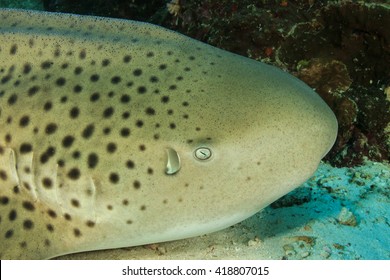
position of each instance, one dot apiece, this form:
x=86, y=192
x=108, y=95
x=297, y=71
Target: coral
x=355, y=35
x=136, y=9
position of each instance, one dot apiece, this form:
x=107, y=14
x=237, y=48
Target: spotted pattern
x=81, y=122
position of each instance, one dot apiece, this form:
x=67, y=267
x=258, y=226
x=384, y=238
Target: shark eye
x=202, y=153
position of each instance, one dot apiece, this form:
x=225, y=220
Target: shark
x=117, y=133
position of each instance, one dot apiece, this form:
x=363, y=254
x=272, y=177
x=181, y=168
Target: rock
x=346, y=217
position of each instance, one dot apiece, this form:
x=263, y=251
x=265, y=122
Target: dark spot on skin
x=92, y=160
x=142, y=148
x=12, y=215
x=143, y=208
x=125, y=115
x=47, y=243
x=75, y=203
x=94, y=78
x=28, y=224
x=16, y=190
x=172, y=87
x=23, y=244
x=61, y=163
x=76, y=232
x=47, y=106
x=44, y=158
x=78, y=70
x=33, y=90
x=52, y=213
x=108, y=112
x=125, y=202
x=141, y=90
x=13, y=49
x=60, y=81
x=129, y=222
x=25, y=148
x=82, y=54
x=74, y=112
x=150, y=111
x=170, y=112
x=28, y=206
x=74, y=174
x=67, y=141
x=125, y=98
x=162, y=67
x=126, y=58
x=50, y=227
x=8, y=138
x=64, y=99
x=94, y=97
x=90, y=224
x=172, y=126
x=130, y=164
x=150, y=171
x=125, y=132
x=139, y=123
x=105, y=62
x=137, y=184
x=9, y=233
x=137, y=72
x=88, y=131
x=114, y=178
x=165, y=99
x=150, y=54
x=187, y=69
x=106, y=130
x=115, y=80
x=4, y=200
x=12, y=99
x=111, y=147
x=46, y=64
x=153, y=79
x=3, y=175
x=111, y=94
x=51, y=128
x=67, y=217
x=77, y=89
x=6, y=79
x=26, y=186
x=185, y=104
x=26, y=68
x=47, y=183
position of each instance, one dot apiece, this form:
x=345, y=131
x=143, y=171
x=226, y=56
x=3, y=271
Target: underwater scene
x=123, y=140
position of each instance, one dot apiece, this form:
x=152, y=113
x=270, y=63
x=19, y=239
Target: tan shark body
x=117, y=133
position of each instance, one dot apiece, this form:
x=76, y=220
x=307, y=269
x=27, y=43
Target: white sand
x=340, y=213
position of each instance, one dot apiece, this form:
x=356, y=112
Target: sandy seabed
x=340, y=213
